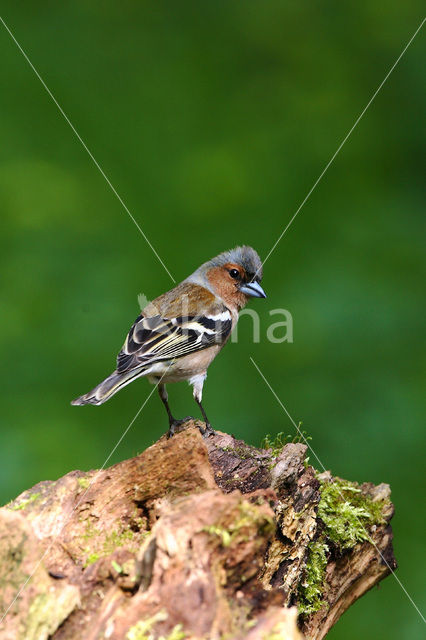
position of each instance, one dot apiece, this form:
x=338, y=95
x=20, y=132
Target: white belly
x=182, y=368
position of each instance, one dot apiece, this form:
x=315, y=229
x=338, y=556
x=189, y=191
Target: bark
x=194, y=538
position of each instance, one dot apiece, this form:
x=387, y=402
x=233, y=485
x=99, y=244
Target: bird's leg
x=208, y=431
x=198, y=382
x=165, y=399
x=173, y=423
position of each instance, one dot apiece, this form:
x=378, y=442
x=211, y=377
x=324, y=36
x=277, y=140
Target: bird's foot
x=207, y=431
x=175, y=424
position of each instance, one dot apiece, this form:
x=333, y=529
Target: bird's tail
x=108, y=387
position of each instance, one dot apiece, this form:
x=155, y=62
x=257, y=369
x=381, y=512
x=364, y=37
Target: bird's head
x=234, y=276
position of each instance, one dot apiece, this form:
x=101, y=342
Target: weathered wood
x=193, y=538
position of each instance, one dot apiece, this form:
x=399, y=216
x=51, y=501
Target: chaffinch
x=178, y=334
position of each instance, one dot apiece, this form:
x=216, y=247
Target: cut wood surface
x=192, y=539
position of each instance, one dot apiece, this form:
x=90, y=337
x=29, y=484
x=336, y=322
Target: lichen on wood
x=192, y=539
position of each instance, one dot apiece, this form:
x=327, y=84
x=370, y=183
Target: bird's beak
x=253, y=289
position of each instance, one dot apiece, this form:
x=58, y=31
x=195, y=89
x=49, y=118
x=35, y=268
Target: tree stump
x=192, y=539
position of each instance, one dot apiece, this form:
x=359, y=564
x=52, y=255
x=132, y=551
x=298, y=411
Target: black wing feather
x=155, y=338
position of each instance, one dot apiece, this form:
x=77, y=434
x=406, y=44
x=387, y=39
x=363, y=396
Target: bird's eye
x=234, y=273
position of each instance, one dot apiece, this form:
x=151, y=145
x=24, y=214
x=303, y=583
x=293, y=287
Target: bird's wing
x=156, y=338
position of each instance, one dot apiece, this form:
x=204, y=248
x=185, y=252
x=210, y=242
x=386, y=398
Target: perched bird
x=178, y=334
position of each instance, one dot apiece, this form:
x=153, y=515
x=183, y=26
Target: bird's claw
x=177, y=423
x=207, y=431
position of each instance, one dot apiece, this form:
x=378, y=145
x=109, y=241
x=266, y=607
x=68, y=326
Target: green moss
x=102, y=545
x=25, y=503
x=47, y=612
x=177, y=633
x=90, y=531
x=110, y=541
x=347, y=513
x=117, y=567
x=12, y=573
x=223, y=534
x=248, y=516
x=91, y=559
x=278, y=443
x=310, y=589
x=240, y=451
x=117, y=539
x=84, y=482
x=244, y=453
x=142, y=630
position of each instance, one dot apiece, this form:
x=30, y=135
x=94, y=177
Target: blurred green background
x=213, y=120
